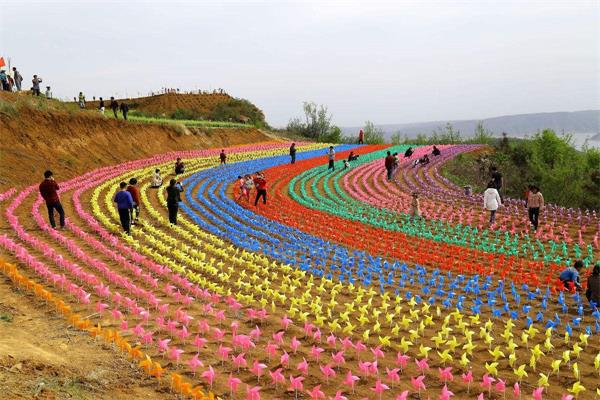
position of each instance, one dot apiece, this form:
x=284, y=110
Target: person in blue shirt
x=124, y=205
x=570, y=276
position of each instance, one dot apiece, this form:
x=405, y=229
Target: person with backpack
x=535, y=203
x=135, y=195
x=124, y=206
x=173, y=199
x=48, y=189
x=114, y=106
x=389, y=165
x=293, y=153
x=491, y=201
x=18, y=78
x=124, y=109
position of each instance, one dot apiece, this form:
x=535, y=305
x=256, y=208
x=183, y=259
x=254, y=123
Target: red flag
x=2, y=63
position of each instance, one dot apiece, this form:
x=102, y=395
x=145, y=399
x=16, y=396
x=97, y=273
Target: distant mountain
x=578, y=123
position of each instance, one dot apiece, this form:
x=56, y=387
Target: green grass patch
x=133, y=117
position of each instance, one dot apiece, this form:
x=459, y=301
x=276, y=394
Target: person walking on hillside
x=124, y=109
x=361, y=137
x=36, y=85
x=49, y=191
x=491, y=201
x=223, y=157
x=156, y=179
x=389, y=165
x=124, y=206
x=18, y=78
x=179, y=166
x=415, y=206
x=261, y=188
x=135, y=195
x=293, y=153
x=81, y=100
x=114, y=106
x=535, y=203
x=331, y=158
x=101, y=106
x=570, y=276
x=593, y=286
x=173, y=199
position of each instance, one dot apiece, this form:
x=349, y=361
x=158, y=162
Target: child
x=415, y=206
x=248, y=186
x=346, y=164
x=156, y=179
x=242, y=187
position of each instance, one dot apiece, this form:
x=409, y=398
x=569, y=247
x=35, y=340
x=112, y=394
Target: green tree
x=373, y=135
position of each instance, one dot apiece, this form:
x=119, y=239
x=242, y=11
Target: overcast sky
x=388, y=62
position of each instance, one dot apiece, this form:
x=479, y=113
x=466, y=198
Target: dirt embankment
x=72, y=143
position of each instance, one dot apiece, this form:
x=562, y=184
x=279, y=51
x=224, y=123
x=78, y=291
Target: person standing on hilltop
x=48, y=190
x=36, y=85
x=331, y=158
x=101, y=106
x=114, y=106
x=124, y=110
x=361, y=137
x=4, y=81
x=81, y=100
x=223, y=157
x=124, y=206
x=18, y=78
x=293, y=153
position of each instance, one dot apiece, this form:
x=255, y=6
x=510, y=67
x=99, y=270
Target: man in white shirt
x=331, y=156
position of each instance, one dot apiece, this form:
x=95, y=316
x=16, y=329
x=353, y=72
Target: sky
x=383, y=61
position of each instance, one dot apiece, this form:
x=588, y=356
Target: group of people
x=14, y=82
x=114, y=105
x=248, y=182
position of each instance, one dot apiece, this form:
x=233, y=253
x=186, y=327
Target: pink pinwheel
x=148, y=338
x=124, y=325
x=327, y=371
x=138, y=330
x=253, y=393
x=403, y=395
x=338, y=396
x=175, y=354
x=417, y=383
x=350, y=380
x=392, y=375
x=257, y=369
x=567, y=397
x=422, y=365
x=218, y=334
x=223, y=353
x=194, y=363
x=278, y=337
x=116, y=314
x=163, y=345
x=239, y=361
x=294, y=344
x=486, y=382
x=316, y=393
x=481, y=396
x=377, y=352
x=317, y=335
x=203, y=326
x=446, y=374
x=308, y=329
x=271, y=350
x=303, y=367
x=285, y=322
x=373, y=368
x=468, y=379
x=209, y=376
x=233, y=384
x=332, y=340
x=199, y=342
x=255, y=333
x=379, y=388
x=359, y=347
x=284, y=360
x=220, y=316
x=296, y=384
x=234, y=327
x=277, y=377
x=347, y=344
x=315, y=352
x=100, y=307
x=338, y=358
x=537, y=393
x=183, y=334
x=517, y=390
x=402, y=360
x=446, y=394
x=364, y=367
x=171, y=327
x=501, y=386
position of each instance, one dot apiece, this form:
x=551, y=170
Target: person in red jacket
x=49, y=191
x=361, y=137
x=261, y=188
x=135, y=195
x=389, y=165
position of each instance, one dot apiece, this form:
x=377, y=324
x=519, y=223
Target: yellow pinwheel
x=577, y=388
x=496, y=353
x=543, y=381
x=445, y=356
x=492, y=368
x=424, y=351
x=556, y=366
x=464, y=361
x=521, y=372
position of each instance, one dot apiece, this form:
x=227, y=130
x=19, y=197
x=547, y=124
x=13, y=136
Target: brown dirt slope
x=72, y=142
